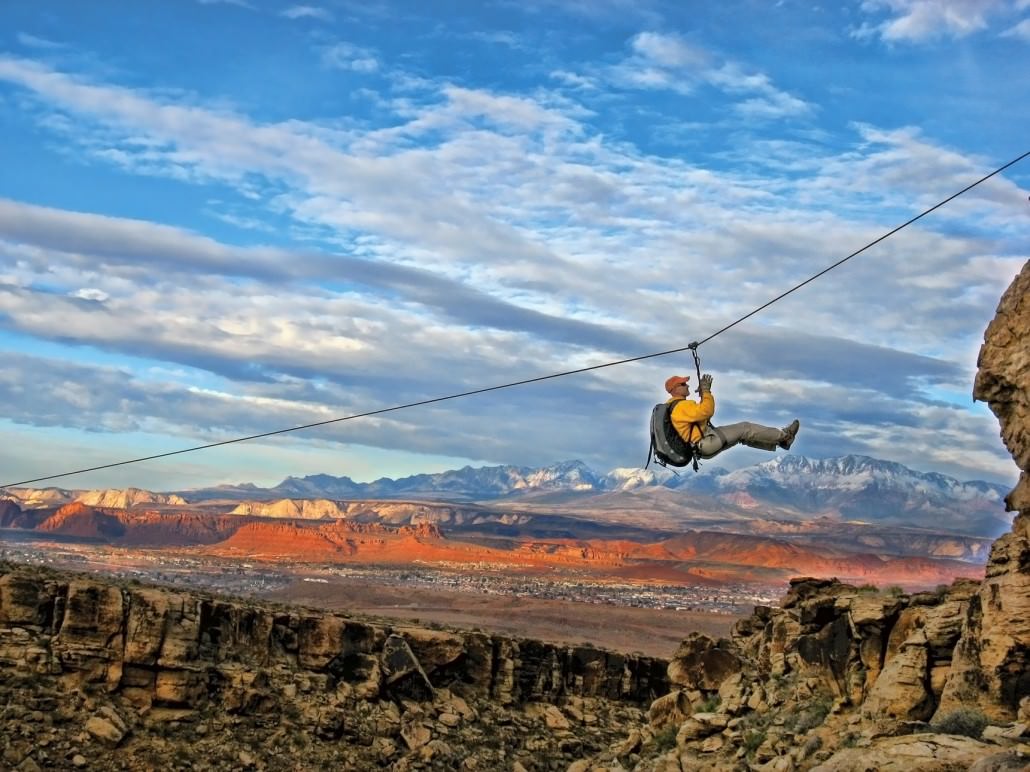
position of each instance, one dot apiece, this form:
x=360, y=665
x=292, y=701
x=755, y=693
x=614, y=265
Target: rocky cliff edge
x=101, y=675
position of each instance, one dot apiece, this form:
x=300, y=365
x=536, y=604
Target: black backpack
x=668, y=448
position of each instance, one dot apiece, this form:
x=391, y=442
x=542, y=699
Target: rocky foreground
x=101, y=675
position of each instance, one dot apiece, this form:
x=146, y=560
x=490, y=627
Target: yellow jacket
x=688, y=412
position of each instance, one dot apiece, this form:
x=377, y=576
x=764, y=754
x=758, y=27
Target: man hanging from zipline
x=692, y=422
x=682, y=431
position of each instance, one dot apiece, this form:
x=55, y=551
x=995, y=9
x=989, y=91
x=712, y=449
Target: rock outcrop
x=834, y=678
x=1003, y=379
x=128, y=498
x=992, y=660
x=305, y=509
x=125, y=662
x=839, y=678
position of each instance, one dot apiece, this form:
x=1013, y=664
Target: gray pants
x=718, y=439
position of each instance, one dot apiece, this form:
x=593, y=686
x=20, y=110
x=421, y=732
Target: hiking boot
x=788, y=434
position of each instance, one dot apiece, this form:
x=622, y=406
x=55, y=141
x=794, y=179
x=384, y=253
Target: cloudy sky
x=226, y=217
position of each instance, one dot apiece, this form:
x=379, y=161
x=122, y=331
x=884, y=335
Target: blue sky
x=225, y=217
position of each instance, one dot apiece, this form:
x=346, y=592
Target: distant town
x=257, y=579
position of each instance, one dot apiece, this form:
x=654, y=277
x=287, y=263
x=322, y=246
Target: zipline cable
x=887, y=235
x=691, y=347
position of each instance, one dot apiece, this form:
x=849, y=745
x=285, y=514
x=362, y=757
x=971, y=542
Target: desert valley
x=632, y=559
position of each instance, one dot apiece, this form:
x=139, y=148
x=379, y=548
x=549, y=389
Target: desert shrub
x=868, y=588
x=895, y=591
x=812, y=744
x=666, y=739
x=182, y=756
x=710, y=705
x=292, y=711
x=849, y=740
x=969, y=722
x=813, y=714
x=753, y=739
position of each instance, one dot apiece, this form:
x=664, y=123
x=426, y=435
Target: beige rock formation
x=127, y=498
x=1003, y=379
x=307, y=509
x=703, y=663
x=992, y=660
x=914, y=753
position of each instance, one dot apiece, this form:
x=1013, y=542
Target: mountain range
x=788, y=488
x=853, y=516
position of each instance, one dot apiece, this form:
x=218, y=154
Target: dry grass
x=655, y=633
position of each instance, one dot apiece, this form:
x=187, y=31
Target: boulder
x=670, y=709
x=1003, y=379
x=319, y=640
x=25, y=601
x=404, y=676
x=105, y=730
x=901, y=692
x=555, y=719
x=699, y=726
x=703, y=663
x=909, y=753
x=180, y=688
x=90, y=636
x=434, y=649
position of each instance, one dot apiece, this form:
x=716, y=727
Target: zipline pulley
x=697, y=363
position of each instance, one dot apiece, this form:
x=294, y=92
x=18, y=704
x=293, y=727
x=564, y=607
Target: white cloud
x=669, y=51
x=238, y=3
x=573, y=79
x=775, y=105
x=499, y=37
x=91, y=293
x=307, y=12
x=922, y=20
x=345, y=56
x=662, y=61
x=33, y=41
x=1020, y=30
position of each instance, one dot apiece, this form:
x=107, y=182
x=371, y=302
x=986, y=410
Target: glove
x=705, y=385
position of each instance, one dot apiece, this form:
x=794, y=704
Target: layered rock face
x=992, y=660
x=147, y=656
x=1003, y=379
x=835, y=679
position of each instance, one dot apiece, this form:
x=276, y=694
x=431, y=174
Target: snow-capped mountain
x=853, y=474
x=633, y=478
x=862, y=488
x=847, y=487
x=467, y=483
